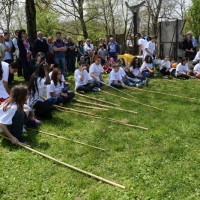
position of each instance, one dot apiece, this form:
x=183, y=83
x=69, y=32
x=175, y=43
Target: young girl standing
x=56, y=87
x=12, y=116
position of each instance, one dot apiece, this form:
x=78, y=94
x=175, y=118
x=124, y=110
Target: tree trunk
x=31, y=20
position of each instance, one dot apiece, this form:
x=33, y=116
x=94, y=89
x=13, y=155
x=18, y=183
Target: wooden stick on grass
x=151, y=91
x=133, y=101
x=99, y=117
x=69, y=166
x=104, y=106
x=89, y=107
x=64, y=138
x=113, y=104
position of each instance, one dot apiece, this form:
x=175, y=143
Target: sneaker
x=165, y=76
x=24, y=130
x=81, y=92
x=139, y=85
x=96, y=89
x=145, y=82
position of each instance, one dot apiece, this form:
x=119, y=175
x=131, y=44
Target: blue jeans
x=113, y=55
x=51, y=101
x=132, y=82
x=16, y=128
x=25, y=67
x=65, y=100
x=143, y=77
x=99, y=84
x=62, y=63
x=71, y=63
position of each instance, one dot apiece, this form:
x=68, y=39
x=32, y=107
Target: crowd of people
x=46, y=65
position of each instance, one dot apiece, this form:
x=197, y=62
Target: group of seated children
x=42, y=93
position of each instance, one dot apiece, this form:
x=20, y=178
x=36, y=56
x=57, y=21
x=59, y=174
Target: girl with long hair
x=14, y=114
x=55, y=89
x=38, y=89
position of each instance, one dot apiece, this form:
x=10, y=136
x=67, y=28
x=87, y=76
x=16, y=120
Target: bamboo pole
x=64, y=138
x=134, y=101
x=174, y=95
x=70, y=166
x=113, y=104
x=89, y=107
x=99, y=117
x=104, y=106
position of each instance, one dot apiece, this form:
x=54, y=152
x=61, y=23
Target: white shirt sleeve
x=7, y=116
x=92, y=69
x=51, y=87
x=5, y=67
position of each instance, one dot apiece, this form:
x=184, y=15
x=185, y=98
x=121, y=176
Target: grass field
x=158, y=164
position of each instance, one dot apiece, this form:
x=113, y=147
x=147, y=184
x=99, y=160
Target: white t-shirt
x=144, y=65
x=6, y=116
x=57, y=89
x=7, y=53
x=114, y=76
x=77, y=76
x=40, y=95
x=88, y=48
x=3, y=93
x=197, y=67
x=181, y=68
x=123, y=73
x=197, y=57
x=151, y=46
x=167, y=64
x=50, y=75
x=142, y=42
x=135, y=71
x=96, y=70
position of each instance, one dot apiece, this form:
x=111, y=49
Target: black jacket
x=22, y=50
x=40, y=46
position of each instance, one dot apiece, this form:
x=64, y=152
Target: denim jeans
x=62, y=63
x=71, y=63
x=16, y=128
x=51, y=101
x=132, y=82
x=99, y=84
x=143, y=77
x=25, y=67
x=65, y=100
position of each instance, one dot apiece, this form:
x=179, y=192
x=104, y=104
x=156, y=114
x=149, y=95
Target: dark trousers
x=87, y=87
x=63, y=100
x=113, y=55
x=16, y=128
x=164, y=72
x=25, y=67
x=43, y=110
x=71, y=63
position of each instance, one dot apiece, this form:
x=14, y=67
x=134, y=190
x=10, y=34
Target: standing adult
x=142, y=44
x=188, y=47
x=25, y=53
x=2, y=47
x=113, y=49
x=88, y=57
x=41, y=45
x=70, y=54
x=17, y=53
x=88, y=46
x=143, y=35
x=59, y=48
x=150, y=48
x=80, y=50
x=50, y=50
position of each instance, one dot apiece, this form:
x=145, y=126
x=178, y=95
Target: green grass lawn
x=161, y=163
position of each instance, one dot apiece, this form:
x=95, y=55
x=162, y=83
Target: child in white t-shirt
x=165, y=67
x=13, y=114
x=147, y=67
x=82, y=79
x=197, y=70
x=55, y=89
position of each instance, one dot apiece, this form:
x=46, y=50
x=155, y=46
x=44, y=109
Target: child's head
x=13, y=67
x=111, y=60
x=122, y=61
x=56, y=75
x=39, y=56
x=116, y=67
x=81, y=65
x=18, y=95
x=97, y=60
x=184, y=60
x=82, y=58
x=166, y=58
x=148, y=59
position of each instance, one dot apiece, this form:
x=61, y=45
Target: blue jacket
x=117, y=47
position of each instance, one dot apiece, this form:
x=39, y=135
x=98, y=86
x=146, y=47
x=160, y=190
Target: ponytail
x=1, y=71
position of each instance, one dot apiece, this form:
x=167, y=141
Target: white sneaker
x=96, y=89
x=165, y=76
x=24, y=130
x=139, y=85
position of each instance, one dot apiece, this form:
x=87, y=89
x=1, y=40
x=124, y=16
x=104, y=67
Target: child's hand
x=46, y=67
x=123, y=85
x=14, y=140
x=65, y=95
